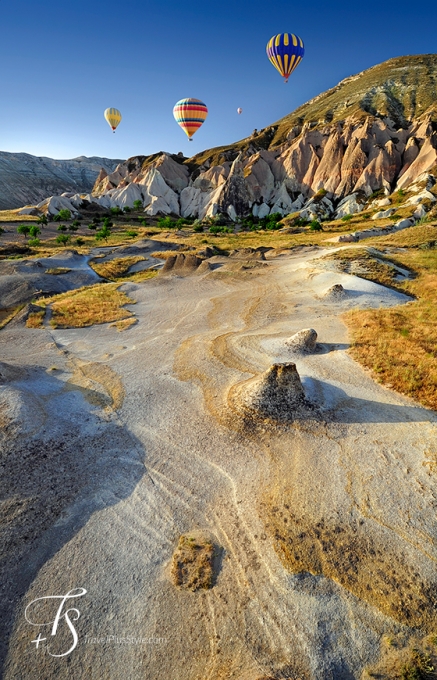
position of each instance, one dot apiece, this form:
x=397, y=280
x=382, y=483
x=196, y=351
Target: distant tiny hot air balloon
x=285, y=51
x=113, y=118
x=239, y=111
x=190, y=114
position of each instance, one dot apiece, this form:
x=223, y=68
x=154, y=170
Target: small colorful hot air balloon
x=113, y=118
x=285, y=51
x=190, y=114
x=239, y=111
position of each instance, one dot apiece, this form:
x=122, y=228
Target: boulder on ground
x=348, y=206
x=277, y=393
x=336, y=292
x=403, y=224
x=195, y=562
x=303, y=341
x=383, y=213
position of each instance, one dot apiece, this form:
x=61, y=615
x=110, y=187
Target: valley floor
x=116, y=444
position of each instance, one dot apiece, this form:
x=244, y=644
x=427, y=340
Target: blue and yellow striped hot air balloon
x=285, y=51
x=113, y=118
x=190, y=114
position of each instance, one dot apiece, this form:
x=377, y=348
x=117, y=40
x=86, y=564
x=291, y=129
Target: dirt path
x=328, y=526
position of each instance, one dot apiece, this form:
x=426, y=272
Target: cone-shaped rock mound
x=304, y=341
x=277, y=393
x=336, y=292
x=181, y=264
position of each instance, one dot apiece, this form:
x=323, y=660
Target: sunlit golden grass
x=35, y=319
x=7, y=315
x=124, y=324
x=13, y=216
x=57, y=271
x=407, y=238
x=400, y=344
x=116, y=268
x=102, y=303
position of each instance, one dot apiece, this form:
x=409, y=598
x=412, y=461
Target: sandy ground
x=115, y=444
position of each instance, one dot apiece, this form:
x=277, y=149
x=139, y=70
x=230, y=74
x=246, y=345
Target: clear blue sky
x=62, y=63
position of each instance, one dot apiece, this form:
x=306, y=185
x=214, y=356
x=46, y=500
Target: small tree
x=126, y=209
x=64, y=214
x=138, y=204
x=316, y=226
x=92, y=226
x=23, y=229
x=33, y=242
x=104, y=233
x=63, y=239
x=116, y=210
x=34, y=231
x=62, y=227
x=42, y=219
x=73, y=227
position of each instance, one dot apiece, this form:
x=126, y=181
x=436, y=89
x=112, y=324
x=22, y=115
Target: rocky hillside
x=375, y=130
x=29, y=179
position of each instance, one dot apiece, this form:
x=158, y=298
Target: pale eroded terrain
x=117, y=443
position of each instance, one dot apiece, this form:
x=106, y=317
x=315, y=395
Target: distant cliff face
x=374, y=130
x=26, y=179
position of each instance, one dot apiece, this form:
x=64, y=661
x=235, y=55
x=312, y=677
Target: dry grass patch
x=8, y=314
x=413, y=237
x=36, y=319
x=102, y=303
x=193, y=563
x=124, y=324
x=57, y=271
x=13, y=216
x=362, y=262
x=416, y=660
x=116, y=268
x=400, y=344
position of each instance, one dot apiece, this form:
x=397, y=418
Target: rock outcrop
x=304, y=341
x=275, y=394
x=374, y=131
x=26, y=179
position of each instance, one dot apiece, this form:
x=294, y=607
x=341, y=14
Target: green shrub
x=104, y=233
x=198, y=227
x=63, y=214
x=73, y=227
x=34, y=231
x=42, y=219
x=138, y=204
x=316, y=226
x=126, y=209
x=116, y=210
x=131, y=233
x=33, y=242
x=80, y=241
x=346, y=218
x=166, y=223
x=321, y=192
x=62, y=227
x=107, y=224
x=92, y=226
x=63, y=239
